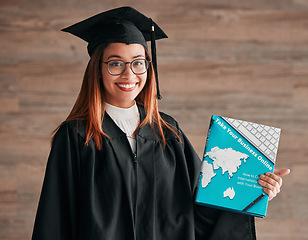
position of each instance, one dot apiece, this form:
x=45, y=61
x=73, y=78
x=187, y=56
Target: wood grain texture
x=242, y=59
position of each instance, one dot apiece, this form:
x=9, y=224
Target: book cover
x=236, y=154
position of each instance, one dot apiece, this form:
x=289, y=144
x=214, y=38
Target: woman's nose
x=128, y=71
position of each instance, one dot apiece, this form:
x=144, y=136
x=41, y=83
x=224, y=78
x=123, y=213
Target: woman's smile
x=127, y=86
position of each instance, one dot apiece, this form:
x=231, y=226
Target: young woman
x=119, y=169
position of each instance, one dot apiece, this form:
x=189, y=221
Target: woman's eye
x=138, y=63
x=115, y=64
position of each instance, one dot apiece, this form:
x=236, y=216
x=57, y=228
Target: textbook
x=236, y=154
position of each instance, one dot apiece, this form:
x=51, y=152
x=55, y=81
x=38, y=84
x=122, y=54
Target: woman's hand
x=271, y=182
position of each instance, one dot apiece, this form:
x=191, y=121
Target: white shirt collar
x=118, y=113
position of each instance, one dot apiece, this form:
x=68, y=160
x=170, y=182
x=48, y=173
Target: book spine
x=208, y=135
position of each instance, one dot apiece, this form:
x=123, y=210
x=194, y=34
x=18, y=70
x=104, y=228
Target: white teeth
x=127, y=85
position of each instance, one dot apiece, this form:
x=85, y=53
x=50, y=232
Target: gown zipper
x=136, y=189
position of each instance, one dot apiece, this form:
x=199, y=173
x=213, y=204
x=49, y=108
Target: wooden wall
x=239, y=58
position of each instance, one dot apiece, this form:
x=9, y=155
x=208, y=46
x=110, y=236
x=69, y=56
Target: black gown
x=114, y=194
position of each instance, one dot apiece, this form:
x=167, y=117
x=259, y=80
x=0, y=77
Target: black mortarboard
x=120, y=25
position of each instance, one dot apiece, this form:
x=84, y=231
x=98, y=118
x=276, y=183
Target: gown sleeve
x=56, y=216
x=211, y=223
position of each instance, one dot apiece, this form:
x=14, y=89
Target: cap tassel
x=154, y=59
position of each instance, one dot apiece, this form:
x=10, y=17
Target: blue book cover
x=236, y=154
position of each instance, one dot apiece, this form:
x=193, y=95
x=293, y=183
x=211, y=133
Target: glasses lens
x=116, y=67
x=139, y=66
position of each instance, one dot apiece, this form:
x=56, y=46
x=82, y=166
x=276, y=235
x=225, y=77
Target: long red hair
x=90, y=104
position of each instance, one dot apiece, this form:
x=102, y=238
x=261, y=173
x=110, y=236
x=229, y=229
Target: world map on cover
x=228, y=160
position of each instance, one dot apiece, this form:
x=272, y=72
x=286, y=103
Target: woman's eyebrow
x=140, y=55
x=113, y=56
x=117, y=56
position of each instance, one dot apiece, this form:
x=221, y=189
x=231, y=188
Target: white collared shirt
x=127, y=119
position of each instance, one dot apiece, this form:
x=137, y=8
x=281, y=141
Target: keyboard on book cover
x=264, y=138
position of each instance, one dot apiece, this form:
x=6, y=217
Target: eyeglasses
x=117, y=67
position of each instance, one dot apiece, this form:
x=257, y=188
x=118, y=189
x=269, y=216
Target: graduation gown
x=114, y=194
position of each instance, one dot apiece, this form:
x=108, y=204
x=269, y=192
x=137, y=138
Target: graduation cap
x=119, y=25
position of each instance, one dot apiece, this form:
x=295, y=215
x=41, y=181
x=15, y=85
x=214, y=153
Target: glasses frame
x=130, y=66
